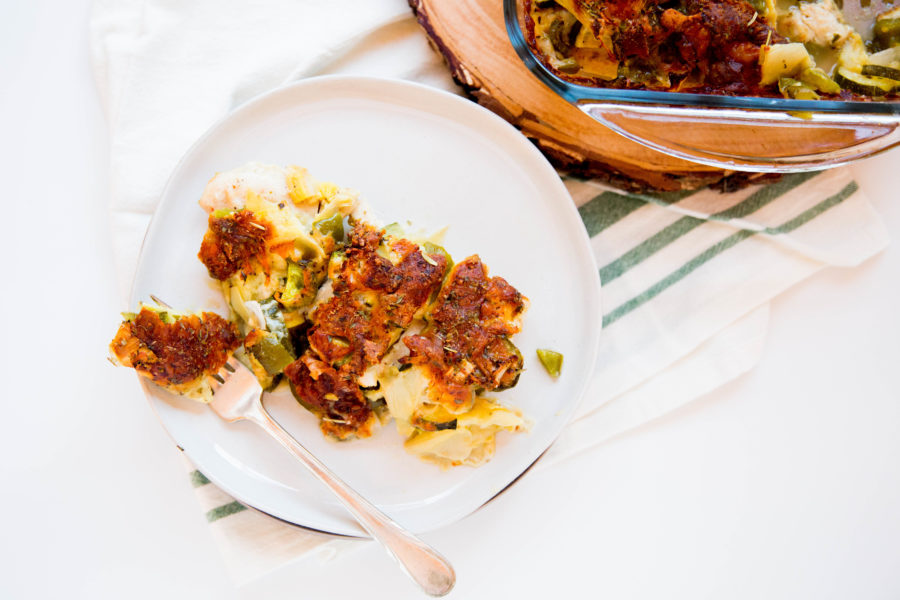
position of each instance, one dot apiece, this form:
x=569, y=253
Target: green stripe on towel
x=224, y=511
x=606, y=209
x=198, y=479
x=815, y=211
x=673, y=278
x=764, y=196
x=716, y=249
x=671, y=233
x=649, y=247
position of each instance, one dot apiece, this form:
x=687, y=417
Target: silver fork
x=238, y=395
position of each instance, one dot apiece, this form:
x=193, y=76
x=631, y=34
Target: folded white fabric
x=686, y=282
x=686, y=277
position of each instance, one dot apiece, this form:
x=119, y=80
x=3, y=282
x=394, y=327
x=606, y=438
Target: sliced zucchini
x=880, y=71
x=511, y=360
x=300, y=400
x=791, y=88
x=862, y=84
x=816, y=78
x=887, y=32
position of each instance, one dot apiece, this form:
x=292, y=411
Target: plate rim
x=594, y=286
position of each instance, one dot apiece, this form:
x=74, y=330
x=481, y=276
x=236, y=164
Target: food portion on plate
x=436, y=393
x=173, y=350
x=270, y=235
x=364, y=323
x=379, y=284
x=803, y=50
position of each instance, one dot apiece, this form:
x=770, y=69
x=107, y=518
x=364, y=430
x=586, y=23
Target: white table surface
x=783, y=484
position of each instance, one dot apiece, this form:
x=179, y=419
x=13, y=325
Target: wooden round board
x=471, y=36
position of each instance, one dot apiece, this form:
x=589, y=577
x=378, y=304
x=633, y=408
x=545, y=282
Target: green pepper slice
x=791, y=88
x=272, y=354
x=221, y=213
x=302, y=284
x=275, y=323
x=333, y=226
x=429, y=248
x=275, y=350
x=881, y=71
x=551, y=360
x=569, y=65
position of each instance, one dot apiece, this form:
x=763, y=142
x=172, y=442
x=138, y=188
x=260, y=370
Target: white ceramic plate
x=415, y=154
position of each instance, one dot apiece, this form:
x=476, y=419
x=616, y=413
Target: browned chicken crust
x=177, y=353
x=232, y=242
x=467, y=346
x=714, y=44
x=333, y=395
x=375, y=299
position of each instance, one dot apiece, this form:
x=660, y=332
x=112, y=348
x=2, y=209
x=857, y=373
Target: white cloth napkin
x=686, y=277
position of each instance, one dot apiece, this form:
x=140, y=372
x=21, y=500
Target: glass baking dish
x=774, y=135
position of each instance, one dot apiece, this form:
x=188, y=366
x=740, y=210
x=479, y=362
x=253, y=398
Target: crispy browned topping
x=332, y=395
x=232, y=242
x=175, y=353
x=467, y=346
x=715, y=42
x=375, y=299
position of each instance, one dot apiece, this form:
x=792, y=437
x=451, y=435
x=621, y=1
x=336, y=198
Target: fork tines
x=219, y=379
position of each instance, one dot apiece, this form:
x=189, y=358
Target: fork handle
x=420, y=561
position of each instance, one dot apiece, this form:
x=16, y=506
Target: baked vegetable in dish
x=803, y=50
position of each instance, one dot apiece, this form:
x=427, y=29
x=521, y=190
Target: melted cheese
x=472, y=440
x=291, y=201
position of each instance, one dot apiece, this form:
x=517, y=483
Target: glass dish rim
x=578, y=94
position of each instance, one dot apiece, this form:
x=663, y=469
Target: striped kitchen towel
x=252, y=543
x=687, y=277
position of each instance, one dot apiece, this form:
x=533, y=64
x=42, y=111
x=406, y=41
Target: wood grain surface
x=471, y=36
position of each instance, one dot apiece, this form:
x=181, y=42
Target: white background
x=783, y=484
